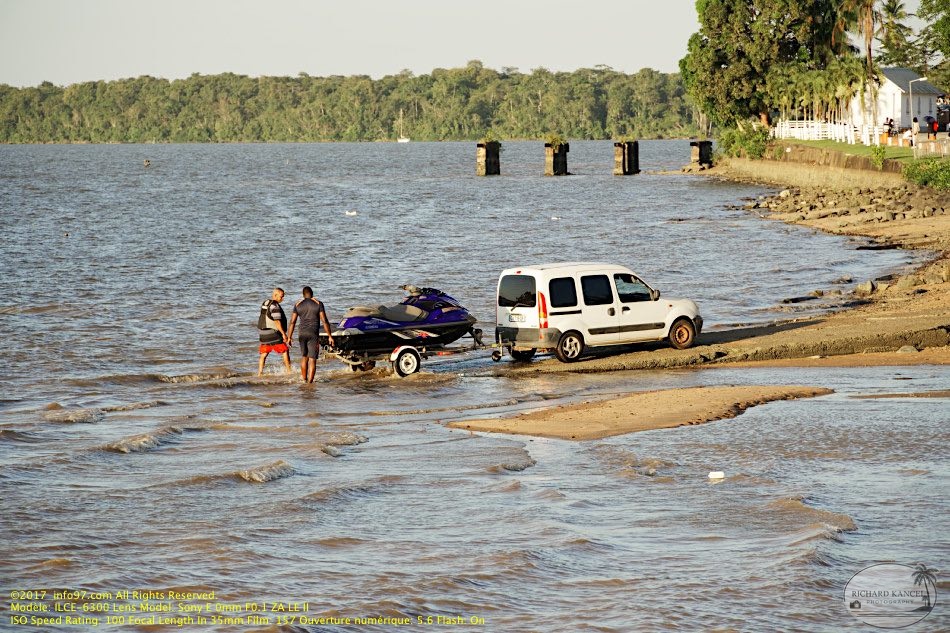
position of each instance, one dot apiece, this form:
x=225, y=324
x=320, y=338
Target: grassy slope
x=894, y=153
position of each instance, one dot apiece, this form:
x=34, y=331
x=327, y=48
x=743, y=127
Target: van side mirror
x=654, y=294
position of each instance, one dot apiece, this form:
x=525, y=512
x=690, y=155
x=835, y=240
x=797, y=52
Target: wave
x=469, y=407
x=270, y=472
x=55, y=412
x=332, y=443
x=340, y=541
x=12, y=435
x=31, y=309
x=134, y=406
x=624, y=463
x=74, y=416
x=516, y=460
x=259, y=474
x=190, y=378
x=794, y=509
x=144, y=441
x=355, y=491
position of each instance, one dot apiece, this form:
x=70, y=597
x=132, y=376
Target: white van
x=569, y=306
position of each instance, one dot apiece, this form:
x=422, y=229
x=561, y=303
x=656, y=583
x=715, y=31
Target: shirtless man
x=311, y=314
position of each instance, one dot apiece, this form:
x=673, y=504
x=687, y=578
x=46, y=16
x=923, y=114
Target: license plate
x=515, y=318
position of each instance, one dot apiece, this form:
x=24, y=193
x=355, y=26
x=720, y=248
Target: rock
x=800, y=299
x=866, y=288
x=908, y=349
x=844, y=279
x=905, y=283
x=785, y=193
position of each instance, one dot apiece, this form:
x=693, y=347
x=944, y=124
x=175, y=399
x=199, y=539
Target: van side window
x=631, y=289
x=597, y=291
x=517, y=291
x=563, y=293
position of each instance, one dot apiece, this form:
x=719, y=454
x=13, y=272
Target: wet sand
x=645, y=411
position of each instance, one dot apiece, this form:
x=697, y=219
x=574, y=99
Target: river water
x=138, y=450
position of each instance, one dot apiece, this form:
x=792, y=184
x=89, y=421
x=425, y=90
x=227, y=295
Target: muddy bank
x=645, y=411
x=884, y=315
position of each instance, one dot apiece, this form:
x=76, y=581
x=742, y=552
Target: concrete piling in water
x=555, y=159
x=701, y=153
x=487, y=159
x=626, y=158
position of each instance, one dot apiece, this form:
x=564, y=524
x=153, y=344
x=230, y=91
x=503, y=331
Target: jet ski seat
x=402, y=313
x=361, y=311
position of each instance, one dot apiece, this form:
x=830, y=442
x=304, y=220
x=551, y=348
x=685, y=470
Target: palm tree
x=892, y=33
x=860, y=16
x=926, y=577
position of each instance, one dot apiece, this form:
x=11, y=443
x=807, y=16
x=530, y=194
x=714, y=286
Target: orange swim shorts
x=280, y=348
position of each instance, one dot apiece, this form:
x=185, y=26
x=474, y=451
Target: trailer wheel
x=407, y=362
x=496, y=356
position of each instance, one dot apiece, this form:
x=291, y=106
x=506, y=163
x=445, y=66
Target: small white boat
x=402, y=137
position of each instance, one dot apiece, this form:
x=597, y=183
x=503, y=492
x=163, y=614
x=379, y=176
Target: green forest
x=447, y=104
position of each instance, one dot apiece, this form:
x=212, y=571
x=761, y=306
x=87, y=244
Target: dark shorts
x=309, y=344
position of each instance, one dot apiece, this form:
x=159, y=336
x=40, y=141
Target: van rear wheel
x=569, y=347
x=523, y=355
x=682, y=334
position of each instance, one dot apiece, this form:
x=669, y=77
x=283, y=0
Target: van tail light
x=542, y=310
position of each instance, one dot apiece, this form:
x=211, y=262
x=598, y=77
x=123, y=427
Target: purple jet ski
x=426, y=320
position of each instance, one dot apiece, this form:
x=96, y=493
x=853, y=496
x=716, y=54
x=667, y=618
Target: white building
x=894, y=100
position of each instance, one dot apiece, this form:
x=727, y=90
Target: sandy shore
x=645, y=411
x=894, y=321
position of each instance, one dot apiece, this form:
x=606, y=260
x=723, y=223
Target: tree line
x=752, y=59
x=447, y=104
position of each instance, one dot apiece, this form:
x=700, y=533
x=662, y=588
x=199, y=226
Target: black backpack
x=262, y=319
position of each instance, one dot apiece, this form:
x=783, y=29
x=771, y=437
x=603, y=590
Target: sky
x=71, y=41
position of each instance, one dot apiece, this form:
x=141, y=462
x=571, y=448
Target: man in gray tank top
x=311, y=314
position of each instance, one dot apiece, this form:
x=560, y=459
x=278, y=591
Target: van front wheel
x=682, y=334
x=570, y=347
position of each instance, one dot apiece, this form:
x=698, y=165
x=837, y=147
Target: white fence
x=821, y=131
x=932, y=148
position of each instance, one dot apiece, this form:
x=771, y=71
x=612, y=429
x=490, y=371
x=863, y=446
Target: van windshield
x=516, y=291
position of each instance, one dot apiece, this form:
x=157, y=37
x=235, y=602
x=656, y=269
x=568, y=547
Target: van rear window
x=563, y=293
x=517, y=291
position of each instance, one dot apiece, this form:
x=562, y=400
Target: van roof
x=580, y=266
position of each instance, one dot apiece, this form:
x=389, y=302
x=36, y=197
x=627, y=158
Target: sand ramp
x=644, y=411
